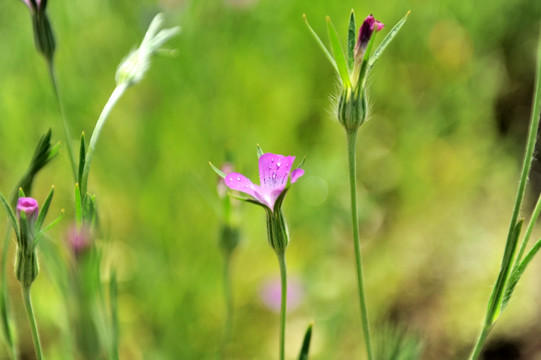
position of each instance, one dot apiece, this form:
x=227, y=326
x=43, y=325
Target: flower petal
x=296, y=174
x=274, y=170
x=239, y=182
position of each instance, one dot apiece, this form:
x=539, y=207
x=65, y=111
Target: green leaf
x=338, y=54
x=351, y=40
x=306, y=343
x=44, y=209
x=321, y=45
x=496, y=298
x=259, y=151
x=217, y=171
x=11, y=215
x=82, y=157
x=386, y=41
x=21, y=193
x=517, y=273
x=78, y=206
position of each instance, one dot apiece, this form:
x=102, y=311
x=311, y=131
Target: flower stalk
x=351, y=148
x=276, y=176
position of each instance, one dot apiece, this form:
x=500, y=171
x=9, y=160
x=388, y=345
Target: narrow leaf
x=78, y=206
x=338, y=53
x=82, y=157
x=10, y=214
x=217, y=171
x=259, y=151
x=321, y=45
x=351, y=39
x=498, y=291
x=21, y=192
x=386, y=41
x=517, y=273
x=44, y=209
x=113, y=303
x=306, y=343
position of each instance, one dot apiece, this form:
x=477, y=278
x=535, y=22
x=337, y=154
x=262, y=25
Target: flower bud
x=229, y=238
x=365, y=33
x=44, y=36
x=43, y=32
x=29, y=206
x=26, y=263
x=80, y=240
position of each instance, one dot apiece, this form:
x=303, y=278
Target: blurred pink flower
x=270, y=294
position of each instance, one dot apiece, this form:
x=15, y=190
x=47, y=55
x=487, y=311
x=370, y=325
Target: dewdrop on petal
x=133, y=68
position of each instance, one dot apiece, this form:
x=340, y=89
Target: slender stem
x=65, y=126
x=228, y=296
x=494, y=306
x=115, y=96
x=5, y=305
x=283, y=306
x=480, y=342
x=351, y=145
x=32, y=321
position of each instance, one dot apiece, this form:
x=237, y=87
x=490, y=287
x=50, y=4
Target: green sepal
x=48, y=227
x=517, y=273
x=321, y=45
x=217, y=171
x=351, y=40
x=11, y=216
x=386, y=41
x=82, y=157
x=259, y=151
x=78, y=206
x=306, y=342
x=44, y=209
x=338, y=53
x=365, y=64
x=302, y=162
x=248, y=199
x=89, y=209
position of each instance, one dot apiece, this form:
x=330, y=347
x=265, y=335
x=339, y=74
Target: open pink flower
x=274, y=172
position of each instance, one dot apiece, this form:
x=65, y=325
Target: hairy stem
x=32, y=321
x=351, y=146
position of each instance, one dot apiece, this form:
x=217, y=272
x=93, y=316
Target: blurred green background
x=438, y=163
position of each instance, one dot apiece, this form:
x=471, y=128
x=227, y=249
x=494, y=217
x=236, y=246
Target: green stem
x=351, y=145
x=115, y=96
x=32, y=321
x=283, y=306
x=494, y=306
x=228, y=330
x=5, y=305
x=65, y=126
